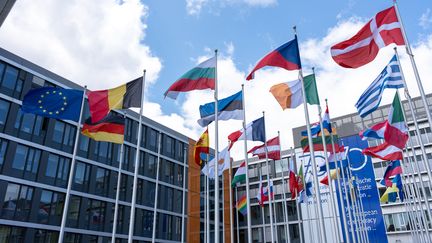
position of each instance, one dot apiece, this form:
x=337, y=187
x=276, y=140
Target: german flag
x=109, y=129
x=122, y=97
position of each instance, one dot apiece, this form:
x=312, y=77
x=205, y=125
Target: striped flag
x=201, y=146
x=241, y=205
x=390, y=77
x=240, y=175
x=228, y=108
x=109, y=129
x=273, y=149
x=255, y=131
x=198, y=78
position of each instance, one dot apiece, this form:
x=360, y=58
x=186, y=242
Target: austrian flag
x=382, y=30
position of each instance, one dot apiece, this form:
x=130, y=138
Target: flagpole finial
x=216, y=51
x=295, y=29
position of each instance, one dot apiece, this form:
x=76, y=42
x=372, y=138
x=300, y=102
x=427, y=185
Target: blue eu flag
x=52, y=102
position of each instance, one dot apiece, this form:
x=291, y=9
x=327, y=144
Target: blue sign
x=361, y=168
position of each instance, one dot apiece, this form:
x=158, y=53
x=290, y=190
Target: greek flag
x=390, y=77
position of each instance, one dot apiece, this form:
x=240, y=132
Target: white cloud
x=91, y=42
x=425, y=20
x=194, y=7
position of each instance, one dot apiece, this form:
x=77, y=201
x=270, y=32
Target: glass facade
x=35, y=163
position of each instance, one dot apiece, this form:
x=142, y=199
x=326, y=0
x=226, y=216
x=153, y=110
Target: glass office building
x=35, y=162
x=395, y=214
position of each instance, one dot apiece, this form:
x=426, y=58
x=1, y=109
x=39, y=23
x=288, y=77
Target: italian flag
x=240, y=175
x=395, y=135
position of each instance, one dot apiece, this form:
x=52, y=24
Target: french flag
x=286, y=56
x=255, y=131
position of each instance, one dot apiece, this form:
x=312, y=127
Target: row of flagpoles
x=68, y=104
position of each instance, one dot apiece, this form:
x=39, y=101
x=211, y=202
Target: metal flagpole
x=156, y=188
x=184, y=196
x=297, y=205
x=262, y=207
x=355, y=213
x=298, y=218
x=231, y=205
x=137, y=156
x=362, y=215
x=249, y=224
x=316, y=219
x=408, y=96
x=237, y=216
x=316, y=182
x=330, y=180
x=114, y=229
x=275, y=214
x=223, y=207
x=268, y=187
x=284, y=203
x=411, y=194
x=305, y=174
x=416, y=73
x=205, y=207
x=71, y=172
x=207, y=223
x=347, y=192
x=336, y=161
x=216, y=218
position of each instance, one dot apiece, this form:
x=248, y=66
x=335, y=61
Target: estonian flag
x=109, y=129
x=228, y=108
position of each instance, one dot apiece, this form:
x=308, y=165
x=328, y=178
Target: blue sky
x=104, y=43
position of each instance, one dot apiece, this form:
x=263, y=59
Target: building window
x=11, y=83
x=83, y=146
x=17, y=202
x=146, y=193
x=72, y=238
x=11, y=234
x=81, y=177
x=95, y=214
x=50, y=207
x=45, y=236
x=148, y=165
x=57, y=170
x=102, y=181
x=73, y=211
x=3, y=148
x=169, y=227
x=143, y=223
x=63, y=135
x=151, y=139
x=26, y=160
x=29, y=123
x=4, y=111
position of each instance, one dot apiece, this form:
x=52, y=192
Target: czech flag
x=286, y=56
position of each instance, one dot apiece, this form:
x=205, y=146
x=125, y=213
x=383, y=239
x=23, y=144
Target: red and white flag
x=382, y=30
x=273, y=149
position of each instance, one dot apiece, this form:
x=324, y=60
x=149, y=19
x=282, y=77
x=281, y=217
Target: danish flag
x=382, y=30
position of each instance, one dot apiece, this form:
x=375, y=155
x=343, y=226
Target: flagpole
x=207, y=223
x=137, y=155
x=330, y=180
x=231, y=205
x=249, y=224
x=223, y=207
x=274, y=212
x=344, y=219
x=216, y=218
x=268, y=186
x=284, y=204
x=297, y=195
x=410, y=104
x=353, y=233
x=414, y=193
x=114, y=230
x=205, y=208
x=316, y=182
x=301, y=222
x=307, y=202
x=410, y=207
x=362, y=216
x=71, y=172
x=262, y=205
x=156, y=188
x=184, y=195
x=237, y=216
x=416, y=73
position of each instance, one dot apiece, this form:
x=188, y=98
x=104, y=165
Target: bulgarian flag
x=198, y=78
x=395, y=135
x=240, y=175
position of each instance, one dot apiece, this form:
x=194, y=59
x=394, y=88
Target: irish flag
x=289, y=94
x=198, y=78
x=240, y=175
x=395, y=135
